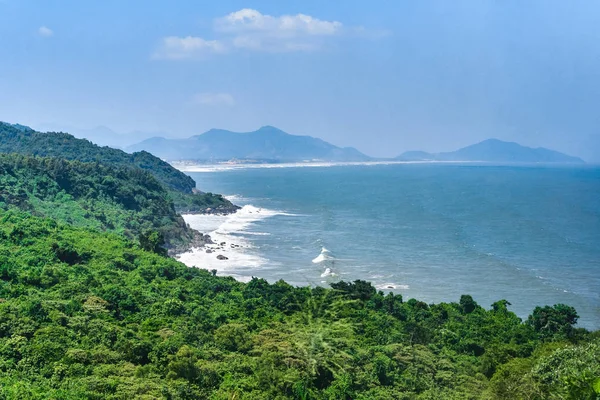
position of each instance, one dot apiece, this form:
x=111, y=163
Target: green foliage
x=85, y=314
x=14, y=139
x=153, y=241
x=92, y=195
x=570, y=373
x=467, y=304
x=63, y=145
x=202, y=202
x=554, y=322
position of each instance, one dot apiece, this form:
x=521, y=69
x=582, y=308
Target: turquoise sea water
x=530, y=235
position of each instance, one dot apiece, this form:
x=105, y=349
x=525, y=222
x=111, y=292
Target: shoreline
x=222, y=248
x=201, y=167
x=241, y=265
x=199, y=239
x=186, y=166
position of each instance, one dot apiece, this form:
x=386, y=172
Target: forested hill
x=22, y=140
x=88, y=315
x=123, y=200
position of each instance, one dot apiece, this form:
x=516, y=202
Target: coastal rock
x=197, y=240
x=208, y=239
x=209, y=251
x=222, y=257
x=222, y=244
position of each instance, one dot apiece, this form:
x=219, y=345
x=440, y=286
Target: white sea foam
x=325, y=255
x=231, y=230
x=326, y=259
x=320, y=258
x=235, y=198
x=327, y=272
x=385, y=286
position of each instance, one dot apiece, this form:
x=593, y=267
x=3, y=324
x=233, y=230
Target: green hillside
x=22, y=140
x=122, y=200
x=88, y=315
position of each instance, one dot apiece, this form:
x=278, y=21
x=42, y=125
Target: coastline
x=223, y=248
x=199, y=239
x=219, y=210
x=190, y=166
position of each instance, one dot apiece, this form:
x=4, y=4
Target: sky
x=382, y=76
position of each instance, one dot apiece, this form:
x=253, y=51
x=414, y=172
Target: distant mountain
x=415, y=156
x=494, y=150
x=267, y=143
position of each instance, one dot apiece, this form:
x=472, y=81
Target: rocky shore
x=200, y=240
x=223, y=209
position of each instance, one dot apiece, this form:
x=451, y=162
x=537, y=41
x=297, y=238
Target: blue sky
x=383, y=76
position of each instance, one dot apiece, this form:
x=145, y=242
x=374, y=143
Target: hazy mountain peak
x=269, y=129
x=495, y=150
x=265, y=143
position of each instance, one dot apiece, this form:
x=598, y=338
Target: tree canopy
x=91, y=307
x=85, y=314
x=22, y=140
x=118, y=199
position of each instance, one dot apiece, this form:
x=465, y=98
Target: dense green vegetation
x=124, y=200
x=22, y=140
x=91, y=307
x=91, y=315
x=206, y=202
x=57, y=144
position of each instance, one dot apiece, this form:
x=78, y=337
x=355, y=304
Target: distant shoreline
x=197, y=166
x=188, y=166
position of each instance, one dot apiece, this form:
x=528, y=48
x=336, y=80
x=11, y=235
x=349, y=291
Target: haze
x=382, y=76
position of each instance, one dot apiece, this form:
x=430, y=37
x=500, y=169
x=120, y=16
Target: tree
x=153, y=241
x=554, y=322
x=467, y=304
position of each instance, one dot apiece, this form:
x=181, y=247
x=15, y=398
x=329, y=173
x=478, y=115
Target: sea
x=430, y=231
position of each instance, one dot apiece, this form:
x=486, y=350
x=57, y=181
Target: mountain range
x=267, y=144
x=270, y=144
x=494, y=150
x=274, y=145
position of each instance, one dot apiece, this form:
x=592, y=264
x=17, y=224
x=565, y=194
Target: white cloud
x=248, y=20
x=214, y=99
x=177, y=48
x=45, y=31
x=250, y=30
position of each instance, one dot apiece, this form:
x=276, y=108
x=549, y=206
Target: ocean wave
x=385, y=286
x=327, y=272
x=229, y=234
x=235, y=198
x=325, y=255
